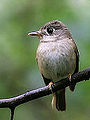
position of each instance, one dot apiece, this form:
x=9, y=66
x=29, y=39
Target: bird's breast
x=56, y=59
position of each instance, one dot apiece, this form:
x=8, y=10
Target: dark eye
x=50, y=30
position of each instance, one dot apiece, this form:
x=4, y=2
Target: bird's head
x=52, y=31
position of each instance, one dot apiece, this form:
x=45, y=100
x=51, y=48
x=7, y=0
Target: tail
x=58, y=100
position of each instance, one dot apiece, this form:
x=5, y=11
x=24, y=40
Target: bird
x=57, y=57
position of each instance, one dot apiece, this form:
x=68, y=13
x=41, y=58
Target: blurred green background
x=18, y=69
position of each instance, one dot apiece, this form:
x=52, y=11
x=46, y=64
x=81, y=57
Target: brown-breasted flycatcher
x=57, y=57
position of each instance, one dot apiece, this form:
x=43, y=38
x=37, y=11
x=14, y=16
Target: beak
x=37, y=33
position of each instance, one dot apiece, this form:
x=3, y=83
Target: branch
x=12, y=103
x=12, y=113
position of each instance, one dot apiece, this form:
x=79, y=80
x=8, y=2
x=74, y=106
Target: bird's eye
x=50, y=30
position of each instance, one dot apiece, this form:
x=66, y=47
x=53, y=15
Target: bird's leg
x=69, y=76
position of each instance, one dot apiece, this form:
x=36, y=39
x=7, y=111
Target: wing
x=46, y=81
x=72, y=87
x=77, y=60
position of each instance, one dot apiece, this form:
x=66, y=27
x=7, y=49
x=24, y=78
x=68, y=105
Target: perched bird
x=57, y=57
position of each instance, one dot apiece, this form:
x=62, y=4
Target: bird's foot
x=72, y=86
x=50, y=85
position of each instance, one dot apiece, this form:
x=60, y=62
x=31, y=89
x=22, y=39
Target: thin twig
x=12, y=113
x=34, y=94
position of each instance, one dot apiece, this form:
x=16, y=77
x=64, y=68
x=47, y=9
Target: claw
x=50, y=85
